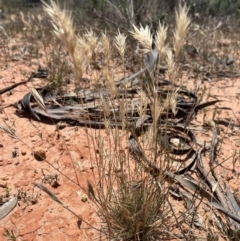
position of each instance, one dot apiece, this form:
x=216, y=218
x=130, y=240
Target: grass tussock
x=131, y=197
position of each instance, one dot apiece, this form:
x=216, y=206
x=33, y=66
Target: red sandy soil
x=46, y=219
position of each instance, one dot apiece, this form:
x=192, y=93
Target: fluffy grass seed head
x=170, y=64
x=79, y=60
x=160, y=39
x=84, y=48
x=142, y=105
x=171, y=102
x=92, y=41
x=63, y=25
x=109, y=77
x=106, y=46
x=64, y=30
x=182, y=27
x=120, y=43
x=143, y=36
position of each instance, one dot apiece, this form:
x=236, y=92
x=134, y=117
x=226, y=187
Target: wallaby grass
x=132, y=201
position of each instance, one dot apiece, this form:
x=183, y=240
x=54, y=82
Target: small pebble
x=61, y=125
x=39, y=153
x=3, y=184
x=23, y=152
x=84, y=199
x=67, y=138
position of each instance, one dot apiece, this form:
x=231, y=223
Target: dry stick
x=38, y=74
x=213, y=147
x=128, y=78
x=210, y=178
x=196, y=192
x=229, y=124
x=227, y=200
x=213, y=183
x=74, y=167
x=2, y=91
x=180, y=226
x=219, y=190
x=15, y=85
x=64, y=174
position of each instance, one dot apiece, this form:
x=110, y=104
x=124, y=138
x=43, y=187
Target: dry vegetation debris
x=137, y=178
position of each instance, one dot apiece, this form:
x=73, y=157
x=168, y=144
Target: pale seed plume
x=183, y=25
x=156, y=110
x=79, y=61
x=106, y=46
x=170, y=64
x=171, y=102
x=156, y=107
x=63, y=25
x=109, y=77
x=65, y=31
x=142, y=106
x=143, y=36
x=91, y=41
x=120, y=43
x=84, y=48
x=160, y=39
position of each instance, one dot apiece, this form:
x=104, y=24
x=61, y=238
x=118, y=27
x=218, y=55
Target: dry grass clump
x=131, y=210
x=131, y=199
